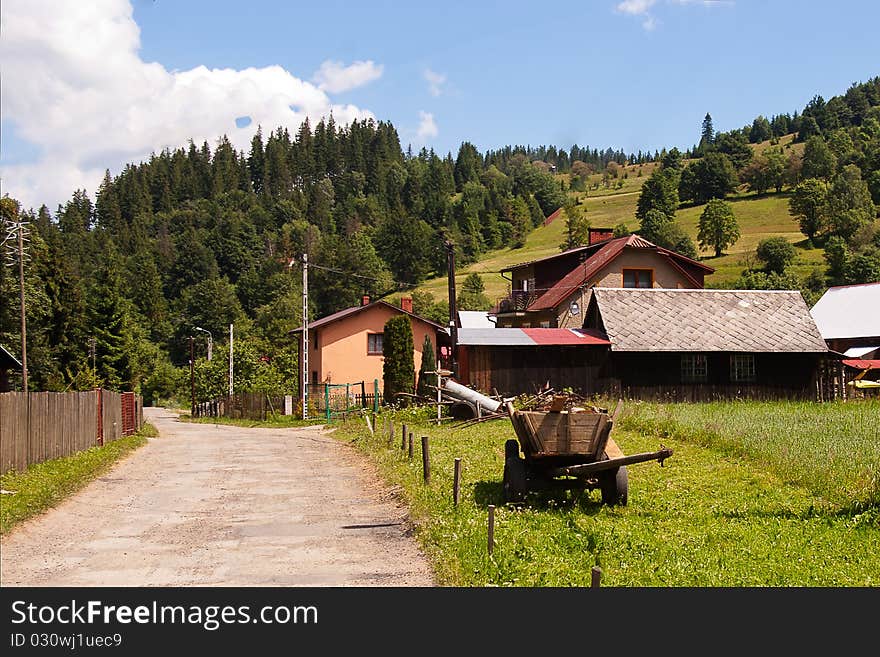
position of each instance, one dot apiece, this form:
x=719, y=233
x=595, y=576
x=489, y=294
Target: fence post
x=426, y=460
x=375, y=395
x=491, y=532
x=327, y=400
x=347, y=398
x=595, y=577
x=363, y=395
x=456, y=481
x=410, y=446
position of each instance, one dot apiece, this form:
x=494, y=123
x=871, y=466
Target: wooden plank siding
x=40, y=426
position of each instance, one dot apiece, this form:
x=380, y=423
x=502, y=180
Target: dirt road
x=209, y=505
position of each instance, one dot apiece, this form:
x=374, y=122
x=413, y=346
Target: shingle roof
x=849, y=311
x=608, y=252
x=707, y=320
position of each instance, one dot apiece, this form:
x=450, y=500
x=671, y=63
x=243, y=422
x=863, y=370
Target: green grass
x=833, y=449
x=44, y=485
x=271, y=421
x=715, y=515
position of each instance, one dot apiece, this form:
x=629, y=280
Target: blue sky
x=111, y=83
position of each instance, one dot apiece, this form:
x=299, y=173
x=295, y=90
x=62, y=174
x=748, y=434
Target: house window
x=638, y=278
x=374, y=344
x=742, y=368
x=693, y=368
x=545, y=324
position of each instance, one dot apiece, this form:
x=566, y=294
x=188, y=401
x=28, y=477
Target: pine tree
x=428, y=364
x=398, y=369
x=707, y=132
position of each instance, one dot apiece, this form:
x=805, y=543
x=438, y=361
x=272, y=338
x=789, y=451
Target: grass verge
x=709, y=518
x=44, y=485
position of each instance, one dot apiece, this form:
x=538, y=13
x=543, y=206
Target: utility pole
x=453, y=310
x=92, y=344
x=24, y=370
x=230, y=360
x=192, y=378
x=304, y=356
x=14, y=241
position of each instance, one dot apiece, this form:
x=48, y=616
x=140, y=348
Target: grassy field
x=43, y=485
x=758, y=216
x=720, y=513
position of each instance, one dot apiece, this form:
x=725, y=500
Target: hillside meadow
x=771, y=494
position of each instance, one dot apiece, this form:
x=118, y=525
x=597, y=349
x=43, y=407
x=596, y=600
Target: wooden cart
x=568, y=449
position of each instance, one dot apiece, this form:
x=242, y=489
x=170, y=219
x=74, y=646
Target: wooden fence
x=39, y=426
x=244, y=405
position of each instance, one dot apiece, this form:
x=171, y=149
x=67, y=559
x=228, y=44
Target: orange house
x=346, y=347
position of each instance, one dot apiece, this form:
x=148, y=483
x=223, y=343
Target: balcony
x=517, y=301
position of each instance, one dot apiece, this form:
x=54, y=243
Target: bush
x=777, y=253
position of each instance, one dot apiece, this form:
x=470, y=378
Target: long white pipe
x=463, y=392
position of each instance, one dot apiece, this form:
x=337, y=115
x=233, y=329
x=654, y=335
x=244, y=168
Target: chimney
x=600, y=234
x=406, y=304
x=365, y=300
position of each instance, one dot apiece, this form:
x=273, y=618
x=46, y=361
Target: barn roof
x=530, y=337
x=707, y=320
x=849, y=311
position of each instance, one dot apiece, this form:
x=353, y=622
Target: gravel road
x=213, y=505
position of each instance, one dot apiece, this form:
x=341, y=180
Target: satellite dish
x=574, y=308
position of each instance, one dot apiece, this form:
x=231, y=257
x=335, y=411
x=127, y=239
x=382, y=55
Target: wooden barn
x=515, y=360
x=706, y=344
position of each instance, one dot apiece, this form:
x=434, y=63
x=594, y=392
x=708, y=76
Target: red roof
x=860, y=364
x=561, y=336
x=608, y=252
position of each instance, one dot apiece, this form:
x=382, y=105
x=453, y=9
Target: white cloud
x=335, y=78
x=435, y=82
x=635, y=7
x=649, y=22
x=427, y=127
x=74, y=84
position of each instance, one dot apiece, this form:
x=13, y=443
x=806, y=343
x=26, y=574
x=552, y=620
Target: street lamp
x=210, y=340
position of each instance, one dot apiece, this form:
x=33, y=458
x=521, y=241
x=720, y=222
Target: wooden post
x=596, y=577
x=456, y=481
x=410, y=445
x=403, y=439
x=426, y=461
x=491, y=535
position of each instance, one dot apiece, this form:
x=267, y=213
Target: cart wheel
x=511, y=450
x=615, y=486
x=514, y=482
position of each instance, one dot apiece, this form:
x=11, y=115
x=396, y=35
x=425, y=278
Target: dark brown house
x=553, y=292
x=705, y=344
